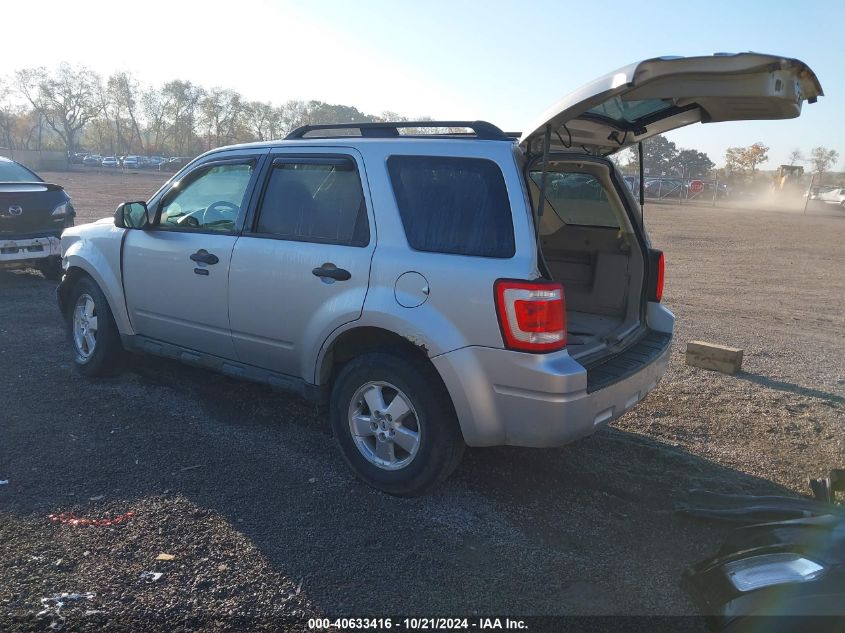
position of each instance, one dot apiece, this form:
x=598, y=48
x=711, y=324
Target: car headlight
x=765, y=570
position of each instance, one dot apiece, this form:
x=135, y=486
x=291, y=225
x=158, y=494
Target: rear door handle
x=332, y=272
x=204, y=257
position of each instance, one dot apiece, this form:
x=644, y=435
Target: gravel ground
x=244, y=487
x=773, y=285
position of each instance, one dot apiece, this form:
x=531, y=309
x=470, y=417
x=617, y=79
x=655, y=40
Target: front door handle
x=332, y=272
x=202, y=256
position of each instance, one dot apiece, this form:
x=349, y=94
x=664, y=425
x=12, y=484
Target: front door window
x=209, y=201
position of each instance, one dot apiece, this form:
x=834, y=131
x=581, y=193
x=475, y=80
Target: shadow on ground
x=587, y=528
x=789, y=387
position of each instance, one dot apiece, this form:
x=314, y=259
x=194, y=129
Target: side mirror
x=132, y=215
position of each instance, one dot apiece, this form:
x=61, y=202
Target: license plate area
x=13, y=250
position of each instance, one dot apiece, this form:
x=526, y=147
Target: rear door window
x=453, y=205
x=578, y=198
x=314, y=200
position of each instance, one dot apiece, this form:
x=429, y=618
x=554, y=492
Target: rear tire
x=403, y=455
x=51, y=267
x=93, y=335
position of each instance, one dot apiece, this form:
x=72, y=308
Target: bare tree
x=822, y=160
x=124, y=90
x=27, y=130
x=72, y=106
x=19, y=125
x=263, y=120
x=8, y=117
x=100, y=133
x=107, y=130
x=294, y=114
x=222, y=112
x=796, y=156
x=67, y=98
x=182, y=101
x=155, y=105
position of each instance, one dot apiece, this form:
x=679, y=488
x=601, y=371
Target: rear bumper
x=13, y=250
x=540, y=400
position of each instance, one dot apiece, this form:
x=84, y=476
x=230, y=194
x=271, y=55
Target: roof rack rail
x=390, y=129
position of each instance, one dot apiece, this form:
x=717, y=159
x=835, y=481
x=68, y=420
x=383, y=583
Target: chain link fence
x=680, y=190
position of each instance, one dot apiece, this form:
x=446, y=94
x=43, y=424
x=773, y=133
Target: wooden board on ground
x=727, y=360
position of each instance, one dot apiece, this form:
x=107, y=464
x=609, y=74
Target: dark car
x=92, y=160
x=33, y=214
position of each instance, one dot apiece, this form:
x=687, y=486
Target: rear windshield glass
x=12, y=172
x=629, y=111
x=453, y=205
x=578, y=198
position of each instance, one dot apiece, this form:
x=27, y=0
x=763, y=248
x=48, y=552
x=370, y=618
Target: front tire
x=394, y=423
x=94, y=338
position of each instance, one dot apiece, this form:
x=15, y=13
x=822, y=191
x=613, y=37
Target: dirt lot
x=96, y=194
x=243, y=486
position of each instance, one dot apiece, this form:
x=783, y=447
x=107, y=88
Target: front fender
x=99, y=257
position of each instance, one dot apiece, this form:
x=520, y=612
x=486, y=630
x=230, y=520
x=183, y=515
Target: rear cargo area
x=588, y=244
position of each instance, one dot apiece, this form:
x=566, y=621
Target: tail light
x=63, y=210
x=655, y=275
x=532, y=315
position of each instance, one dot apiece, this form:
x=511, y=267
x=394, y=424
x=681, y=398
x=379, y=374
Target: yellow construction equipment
x=788, y=179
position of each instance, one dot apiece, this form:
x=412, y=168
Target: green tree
x=663, y=158
x=694, y=163
x=319, y=112
x=660, y=156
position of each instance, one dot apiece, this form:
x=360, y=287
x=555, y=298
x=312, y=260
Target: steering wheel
x=220, y=211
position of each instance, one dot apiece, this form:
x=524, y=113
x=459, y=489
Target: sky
x=504, y=62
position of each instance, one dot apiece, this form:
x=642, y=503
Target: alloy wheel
x=85, y=326
x=384, y=425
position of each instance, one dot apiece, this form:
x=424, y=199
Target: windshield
x=10, y=171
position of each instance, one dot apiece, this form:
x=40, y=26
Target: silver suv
x=434, y=288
